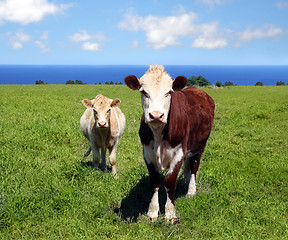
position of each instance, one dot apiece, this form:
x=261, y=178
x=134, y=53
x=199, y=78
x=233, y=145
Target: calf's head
x=101, y=106
x=156, y=87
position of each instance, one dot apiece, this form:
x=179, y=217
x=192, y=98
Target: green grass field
x=48, y=191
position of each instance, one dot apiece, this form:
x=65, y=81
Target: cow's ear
x=132, y=82
x=115, y=102
x=87, y=103
x=179, y=83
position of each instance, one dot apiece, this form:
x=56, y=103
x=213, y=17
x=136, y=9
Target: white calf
x=102, y=124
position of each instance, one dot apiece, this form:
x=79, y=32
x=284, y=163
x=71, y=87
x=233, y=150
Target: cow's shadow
x=89, y=164
x=138, y=199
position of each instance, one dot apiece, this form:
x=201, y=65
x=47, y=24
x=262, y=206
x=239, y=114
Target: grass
x=48, y=191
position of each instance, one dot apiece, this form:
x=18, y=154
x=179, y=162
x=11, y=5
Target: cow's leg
x=103, y=159
x=155, y=183
x=170, y=186
x=194, y=163
x=96, y=156
x=112, y=159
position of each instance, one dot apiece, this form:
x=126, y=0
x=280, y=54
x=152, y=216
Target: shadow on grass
x=89, y=165
x=137, y=201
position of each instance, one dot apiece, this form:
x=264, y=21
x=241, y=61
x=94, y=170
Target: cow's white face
x=156, y=87
x=101, y=106
x=156, y=92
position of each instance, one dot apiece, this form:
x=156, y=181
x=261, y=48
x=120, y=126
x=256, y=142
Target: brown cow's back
x=200, y=114
x=190, y=119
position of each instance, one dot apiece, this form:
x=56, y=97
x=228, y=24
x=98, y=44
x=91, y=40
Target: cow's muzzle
x=102, y=124
x=156, y=117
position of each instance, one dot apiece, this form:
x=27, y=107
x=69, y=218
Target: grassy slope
x=47, y=191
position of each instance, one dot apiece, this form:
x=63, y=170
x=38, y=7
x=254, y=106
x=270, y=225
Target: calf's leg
x=112, y=159
x=103, y=159
x=96, y=156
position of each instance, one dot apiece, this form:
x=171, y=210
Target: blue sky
x=190, y=32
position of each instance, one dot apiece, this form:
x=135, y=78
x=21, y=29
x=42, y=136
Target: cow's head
x=156, y=87
x=101, y=106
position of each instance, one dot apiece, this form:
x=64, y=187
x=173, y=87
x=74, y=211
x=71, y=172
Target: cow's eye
x=168, y=93
x=145, y=94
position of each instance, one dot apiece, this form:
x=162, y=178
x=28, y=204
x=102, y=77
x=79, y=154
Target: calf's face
x=156, y=87
x=101, y=109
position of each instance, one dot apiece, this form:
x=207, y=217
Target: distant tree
x=218, y=84
x=106, y=82
x=198, y=81
x=192, y=81
x=259, y=83
x=229, y=84
x=112, y=83
x=70, y=82
x=120, y=83
x=280, y=83
x=39, y=82
x=78, y=82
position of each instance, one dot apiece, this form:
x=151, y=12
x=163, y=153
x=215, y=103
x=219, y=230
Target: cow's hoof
x=114, y=172
x=153, y=219
x=172, y=220
x=153, y=216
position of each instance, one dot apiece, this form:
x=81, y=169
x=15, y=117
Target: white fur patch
x=170, y=211
x=162, y=155
x=154, y=205
x=192, y=186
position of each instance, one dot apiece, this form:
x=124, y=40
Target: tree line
x=192, y=81
x=79, y=82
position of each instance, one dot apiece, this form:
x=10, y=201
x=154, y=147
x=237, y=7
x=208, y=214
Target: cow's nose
x=102, y=124
x=156, y=116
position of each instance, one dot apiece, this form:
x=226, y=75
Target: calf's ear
x=179, y=83
x=115, y=102
x=87, y=103
x=132, y=82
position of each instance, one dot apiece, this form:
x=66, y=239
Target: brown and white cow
x=102, y=124
x=175, y=126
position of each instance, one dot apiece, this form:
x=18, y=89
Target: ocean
x=95, y=74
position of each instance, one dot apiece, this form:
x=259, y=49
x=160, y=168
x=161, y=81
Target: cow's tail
x=88, y=152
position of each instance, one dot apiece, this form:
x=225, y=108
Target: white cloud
x=85, y=38
x=28, y=11
x=207, y=43
x=163, y=32
x=16, y=41
x=267, y=31
x=282, y=5
x=45, y=36
x=42, y=46
x=91, y=46
x=82, y=36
